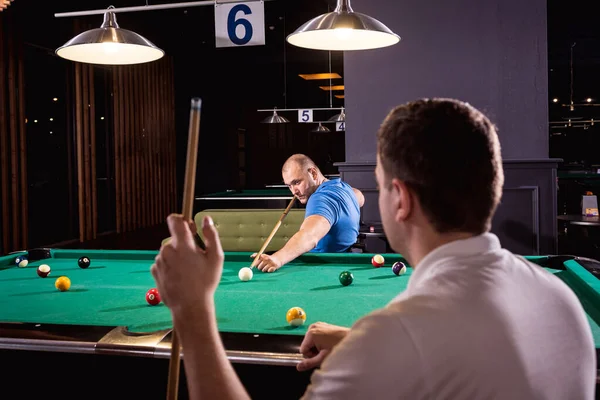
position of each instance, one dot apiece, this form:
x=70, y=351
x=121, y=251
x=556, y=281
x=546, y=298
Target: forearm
x=298, y=244
x=209, y=373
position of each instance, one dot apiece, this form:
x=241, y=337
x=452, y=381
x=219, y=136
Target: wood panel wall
x=141, y=100
x=144, y=144
x=85, y=154
x=13, y=150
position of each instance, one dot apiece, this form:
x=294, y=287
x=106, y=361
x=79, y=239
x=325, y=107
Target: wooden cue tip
x=196, y=103
x=262, y=250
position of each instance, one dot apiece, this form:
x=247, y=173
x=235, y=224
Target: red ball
x=378, y=260
x=43, y=270
x=152, y=297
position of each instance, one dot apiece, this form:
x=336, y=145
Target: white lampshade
x=110, y=45
x=344, y=30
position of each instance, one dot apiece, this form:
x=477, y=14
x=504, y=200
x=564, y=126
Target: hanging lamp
x=341, y=117
x=110, y=45
x=321, y=128
x=343, y=29
x=275, y=119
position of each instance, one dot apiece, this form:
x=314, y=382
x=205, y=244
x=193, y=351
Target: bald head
x=302, y=176
x=298, y=161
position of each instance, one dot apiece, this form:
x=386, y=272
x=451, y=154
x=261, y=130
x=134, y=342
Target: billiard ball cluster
x=295, y=316
x=398, y=268
x=62, y=283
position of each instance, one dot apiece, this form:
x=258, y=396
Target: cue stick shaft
x=188, y=206
x=192, y=157
x=277, y=225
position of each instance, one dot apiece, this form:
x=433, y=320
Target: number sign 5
x=305, y=115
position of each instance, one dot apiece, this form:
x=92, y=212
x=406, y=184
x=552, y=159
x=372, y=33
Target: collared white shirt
x=475, y=322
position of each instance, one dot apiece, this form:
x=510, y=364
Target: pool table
x=276, y=197
x=102, y=328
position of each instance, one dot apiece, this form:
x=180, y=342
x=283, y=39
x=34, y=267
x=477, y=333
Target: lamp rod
x=150, y=8
x=298, y=109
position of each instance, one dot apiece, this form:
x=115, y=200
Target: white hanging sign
x=340, y=126
x=305, y=115
x=239, y=24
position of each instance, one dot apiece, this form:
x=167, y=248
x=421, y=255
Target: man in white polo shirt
x=475, y=321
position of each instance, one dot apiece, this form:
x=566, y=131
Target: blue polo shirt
x=335, y=201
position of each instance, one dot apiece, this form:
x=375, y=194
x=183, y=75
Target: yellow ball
x=62, y=283
x=295, y=316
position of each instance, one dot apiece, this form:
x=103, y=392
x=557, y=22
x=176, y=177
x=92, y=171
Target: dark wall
x=492, y=54
x=236, y=82
x=232, y=82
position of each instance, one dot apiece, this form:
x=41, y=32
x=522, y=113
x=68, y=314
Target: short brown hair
x=448, y=153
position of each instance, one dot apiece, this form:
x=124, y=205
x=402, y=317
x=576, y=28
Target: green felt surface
x=587, y=288
x=111, y=292
x=274, y=192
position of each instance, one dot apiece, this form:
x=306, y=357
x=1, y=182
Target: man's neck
x=429, y=241
x=321, y=179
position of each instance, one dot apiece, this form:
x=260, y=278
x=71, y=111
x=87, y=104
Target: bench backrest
x=248, y=229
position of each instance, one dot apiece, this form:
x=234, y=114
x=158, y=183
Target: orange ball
x=62, y=283
x=296, y=316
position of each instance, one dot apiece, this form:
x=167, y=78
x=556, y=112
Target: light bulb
x=110, y=48
x=343, y=33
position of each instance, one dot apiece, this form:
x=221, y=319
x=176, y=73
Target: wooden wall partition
x=85, y=139
x=140, y=103
x=143, y=137
x=144, y=144
x=13, y=151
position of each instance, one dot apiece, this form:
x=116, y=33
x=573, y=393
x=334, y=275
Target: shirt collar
x=479, y=244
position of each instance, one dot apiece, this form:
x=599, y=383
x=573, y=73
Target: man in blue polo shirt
x=332, y=214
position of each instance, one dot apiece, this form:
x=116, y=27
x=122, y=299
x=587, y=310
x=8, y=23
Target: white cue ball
x=245, y=274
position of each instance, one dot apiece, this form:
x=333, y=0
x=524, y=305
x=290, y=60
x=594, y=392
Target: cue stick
x=188, y=205
x=277, y=225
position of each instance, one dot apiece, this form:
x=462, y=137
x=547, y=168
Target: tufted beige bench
x=247, y=229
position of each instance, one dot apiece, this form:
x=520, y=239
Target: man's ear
x=404, y=199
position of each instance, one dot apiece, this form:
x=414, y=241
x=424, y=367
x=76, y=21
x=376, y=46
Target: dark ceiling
x=189, y=31
x=188, y=35
x=241, y=80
